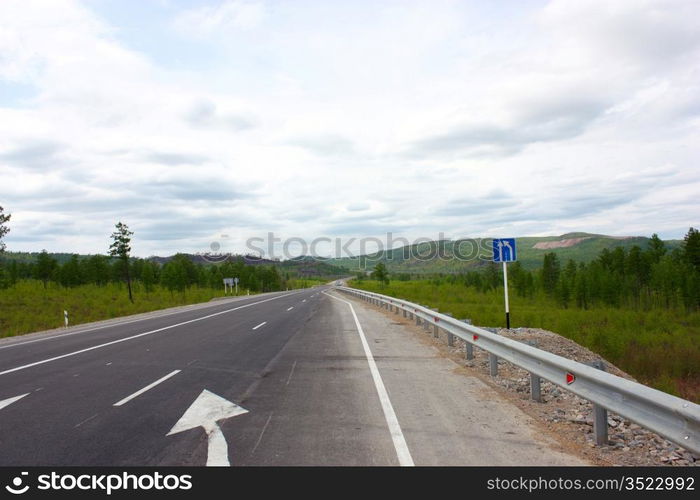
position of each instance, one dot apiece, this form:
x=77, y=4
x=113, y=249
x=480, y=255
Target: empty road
x=304, y=377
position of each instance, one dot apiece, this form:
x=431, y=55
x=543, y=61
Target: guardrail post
x=396, y=309
x=493, y=364
x=404, y=311
x=426, y=323
x=535, y=388
x=450, y=337
x=600, y=415
x=417, y=319
x=469, y=349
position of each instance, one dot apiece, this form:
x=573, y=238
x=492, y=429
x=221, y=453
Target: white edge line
x=261, y=324
x=402, y=451
x=290, y=308
x=149, y=386
x=137, y=335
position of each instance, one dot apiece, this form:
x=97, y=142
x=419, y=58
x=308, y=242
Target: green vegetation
x=640, y=309
x=29, y=307
x=33, y=295
x=380, y=274
x=438, y=256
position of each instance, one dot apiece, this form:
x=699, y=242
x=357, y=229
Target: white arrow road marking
x=205, y=412
x=261, y=324
x=9, y=401
x=148, y=387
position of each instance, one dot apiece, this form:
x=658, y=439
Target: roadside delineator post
x=65, y=317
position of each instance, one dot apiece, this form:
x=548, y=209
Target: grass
x=28, y=307
x=660, y=347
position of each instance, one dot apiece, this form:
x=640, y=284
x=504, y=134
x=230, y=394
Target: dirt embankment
x=546, y=245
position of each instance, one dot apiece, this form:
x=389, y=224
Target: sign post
x=504, y=251
x=235, y=280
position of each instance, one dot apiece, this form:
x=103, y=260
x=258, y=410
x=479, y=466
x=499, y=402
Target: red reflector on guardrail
x=475, y=337
x=570, y=378
x=436, y=319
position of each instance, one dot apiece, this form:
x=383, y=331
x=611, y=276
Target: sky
x=213, y=122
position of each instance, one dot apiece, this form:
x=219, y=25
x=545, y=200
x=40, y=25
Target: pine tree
x=550, y=272
x=120, y=248
x=4, y=219
x=45, y=267
x=691, y=248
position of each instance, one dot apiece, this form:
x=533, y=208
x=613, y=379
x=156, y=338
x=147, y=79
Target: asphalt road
x=288, y=378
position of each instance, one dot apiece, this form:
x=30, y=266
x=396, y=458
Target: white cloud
x=348, y=118
x=217, y=19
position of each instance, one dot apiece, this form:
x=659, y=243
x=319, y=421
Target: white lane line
x=290, y=308
x=304, y=300
x=261, y=324
x=148, y=387
x=86, y=421
x=151, y=315
x=291, y=373
x=402, y=451
x=261, y=434
x=138, y=335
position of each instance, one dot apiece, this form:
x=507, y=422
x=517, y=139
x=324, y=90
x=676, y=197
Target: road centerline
x=148, y=387
x=261, y=324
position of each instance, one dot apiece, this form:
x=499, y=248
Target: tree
x=120, y=248
x=380, y=273
x=550, y=272
x=691, y=248
x=45, y=267
x=656, y=248
x=4, y=219
x=69, y=274
x=174, y=276
x=149, y=275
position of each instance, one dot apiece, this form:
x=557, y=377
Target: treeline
x=637, y=278
x=177, y=274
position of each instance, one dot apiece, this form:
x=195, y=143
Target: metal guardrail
x=676, y=419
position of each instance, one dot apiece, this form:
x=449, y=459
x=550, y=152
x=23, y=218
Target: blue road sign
x=504, y=250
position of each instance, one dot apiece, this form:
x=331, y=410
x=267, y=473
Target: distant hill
x=580, y=247
x=304, y=267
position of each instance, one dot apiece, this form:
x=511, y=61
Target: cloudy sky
x=218, y=121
